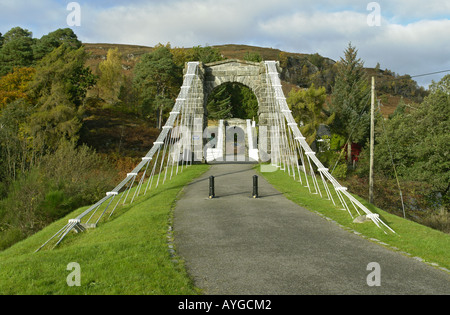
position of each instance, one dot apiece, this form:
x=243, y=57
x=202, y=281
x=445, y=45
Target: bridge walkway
x=234, y=244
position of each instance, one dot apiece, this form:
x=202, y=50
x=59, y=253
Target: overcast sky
x=413, y=36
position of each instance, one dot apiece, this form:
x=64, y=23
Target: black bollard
x=211, y=187
x=255, y=186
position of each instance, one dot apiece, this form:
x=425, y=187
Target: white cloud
x=412, y=38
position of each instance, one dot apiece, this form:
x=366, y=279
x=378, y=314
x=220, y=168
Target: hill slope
x=128, y=254
x=299, y=70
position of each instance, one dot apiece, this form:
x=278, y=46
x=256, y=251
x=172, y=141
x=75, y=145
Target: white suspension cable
x=165, y=141
x=303, y=148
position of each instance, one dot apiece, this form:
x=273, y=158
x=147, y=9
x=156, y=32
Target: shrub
x=65, y=180
x=340, y=172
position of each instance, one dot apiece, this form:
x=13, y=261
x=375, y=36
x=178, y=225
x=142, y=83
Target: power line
x=431, y=73
x=413, y=76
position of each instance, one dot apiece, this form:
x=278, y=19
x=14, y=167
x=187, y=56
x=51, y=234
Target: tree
x=111, y=78
x=58, y=91
x=157, y=80
x=253, y=56
x=350, y=97
x=248, y=103
x=52, y=40
x=64, y=66
x=219, y=104
x=308, y=110
x=418, y=141
x=56, y=119
x=14, y=150
x=16, y=51
x=283, y=59
x=14, y=85
x=232, y=100
x=206, y=54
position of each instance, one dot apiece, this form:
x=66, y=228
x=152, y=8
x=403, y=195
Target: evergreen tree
x=219, y=106
x=249, y=103
x=14, y=150
x=64, y=66
x=157, y=80
x=351, y=100
x=16, y=51
x=58, y=91
x=53, y=40
x=418, y=141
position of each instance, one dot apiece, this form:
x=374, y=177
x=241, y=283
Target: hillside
x=299, y=70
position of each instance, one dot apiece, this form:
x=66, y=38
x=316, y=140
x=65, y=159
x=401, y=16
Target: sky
x=407, y=37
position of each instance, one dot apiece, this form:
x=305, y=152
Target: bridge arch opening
x=232, y=100
x=232, y=93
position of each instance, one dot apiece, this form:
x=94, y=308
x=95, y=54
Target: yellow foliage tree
x=111, y=77
x=14, y=85
x=308, y=110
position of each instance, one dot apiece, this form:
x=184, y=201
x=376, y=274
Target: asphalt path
x=234, y=244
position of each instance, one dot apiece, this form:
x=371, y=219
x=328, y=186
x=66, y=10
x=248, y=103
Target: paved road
x=238, y=245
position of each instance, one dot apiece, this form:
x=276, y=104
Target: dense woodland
x=70, y=127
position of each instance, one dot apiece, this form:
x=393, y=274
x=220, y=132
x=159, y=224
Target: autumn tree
x=111, y=79
x=14, y=85
x=307, y=107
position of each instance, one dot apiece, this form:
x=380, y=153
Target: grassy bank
x=126, y=255
x=411, y=238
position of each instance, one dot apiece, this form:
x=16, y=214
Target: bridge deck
x=235, y=244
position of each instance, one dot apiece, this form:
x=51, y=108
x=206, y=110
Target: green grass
x=411, y=238
x=127, y=255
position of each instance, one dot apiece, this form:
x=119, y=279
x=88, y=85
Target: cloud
x=414, y=48
x=185, y=23
x=412, y=37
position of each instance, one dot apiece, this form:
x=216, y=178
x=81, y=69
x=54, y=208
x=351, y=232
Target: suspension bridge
x=183, y=142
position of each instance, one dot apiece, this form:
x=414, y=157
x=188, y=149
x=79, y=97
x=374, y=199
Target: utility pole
x=372, y=140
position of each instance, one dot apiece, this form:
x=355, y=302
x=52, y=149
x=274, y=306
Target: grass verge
x=127, y=255
x=423, y=243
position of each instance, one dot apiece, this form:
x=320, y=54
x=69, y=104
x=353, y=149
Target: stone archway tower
x=211, y=75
